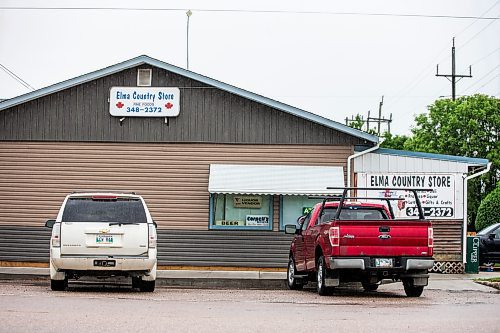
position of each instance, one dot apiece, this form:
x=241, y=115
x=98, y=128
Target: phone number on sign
x=146, y=109
x=431, y=211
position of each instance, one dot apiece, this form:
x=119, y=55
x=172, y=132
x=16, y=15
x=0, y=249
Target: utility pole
x=379, y=120
x=453, y=76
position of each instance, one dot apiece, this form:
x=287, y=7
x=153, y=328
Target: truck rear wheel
x=323, y=290
x=292, y=282
x=411, y=290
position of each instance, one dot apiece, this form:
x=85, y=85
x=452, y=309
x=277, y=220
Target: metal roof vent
x=144, y=77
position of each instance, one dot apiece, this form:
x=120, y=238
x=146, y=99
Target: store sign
x=438, y=203
x=144, y=102
x=230, y=223
x=257, y=220
x=247, y=202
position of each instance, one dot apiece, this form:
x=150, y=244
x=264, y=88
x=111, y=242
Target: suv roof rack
x=103, y=191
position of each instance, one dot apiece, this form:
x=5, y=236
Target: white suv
x=103, y=235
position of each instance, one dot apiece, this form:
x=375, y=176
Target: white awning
x=274, y=179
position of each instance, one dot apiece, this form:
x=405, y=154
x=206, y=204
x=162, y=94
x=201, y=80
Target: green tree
x=468, y=126
x=393, y=141
x=488, y=211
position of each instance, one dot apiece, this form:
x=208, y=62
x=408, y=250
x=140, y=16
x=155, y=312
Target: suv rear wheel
x=58, y=285
x=369, y=286
x=147, y=286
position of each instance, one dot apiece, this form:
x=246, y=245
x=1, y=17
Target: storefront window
x=233, y=211
x=294, y=206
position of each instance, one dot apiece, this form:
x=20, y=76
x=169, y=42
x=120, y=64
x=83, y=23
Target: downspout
x=349, y=159
x=466, y=179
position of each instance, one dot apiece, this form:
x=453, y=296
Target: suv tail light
x=55, y=239
x=334, y=236
x=430, y=237
x=152, y=236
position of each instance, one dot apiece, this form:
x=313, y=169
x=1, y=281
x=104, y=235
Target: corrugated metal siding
x=207, y=114
x=223, y=248
x=447, y=240
x=175, y=247
x=173, y=178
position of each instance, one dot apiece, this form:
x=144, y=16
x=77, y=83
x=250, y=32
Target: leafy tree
x=468, y=126
x=488, y=211
x=393, y=141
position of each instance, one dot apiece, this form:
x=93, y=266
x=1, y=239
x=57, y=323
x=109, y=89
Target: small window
x=144, y=77
x=232, y=211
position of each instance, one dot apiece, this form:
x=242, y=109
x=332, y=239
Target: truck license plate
x=104, y=239
x=383, y=262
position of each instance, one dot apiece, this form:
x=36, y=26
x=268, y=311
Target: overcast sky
x=326, y=57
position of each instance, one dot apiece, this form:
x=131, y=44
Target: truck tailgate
x=384, y=238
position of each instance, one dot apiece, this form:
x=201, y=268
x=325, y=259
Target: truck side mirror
x=491, y=236
x=300, y=220
x=291, y=229
x=155, y=224
x=50, y=223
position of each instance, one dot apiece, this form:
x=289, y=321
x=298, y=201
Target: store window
x=234, y=211
x=294, y=206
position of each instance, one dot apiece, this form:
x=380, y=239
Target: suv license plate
x=104, y=239
x=105, y=263
x=383, y=262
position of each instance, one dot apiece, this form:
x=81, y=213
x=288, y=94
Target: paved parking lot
x=448, y=304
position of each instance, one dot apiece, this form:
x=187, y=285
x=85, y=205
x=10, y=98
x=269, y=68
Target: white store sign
x=144, y=102
x=437, y=204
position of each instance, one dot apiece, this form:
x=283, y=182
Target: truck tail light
x=430, y=237
x=152, y=236
x=55, y=239
x=334, y=235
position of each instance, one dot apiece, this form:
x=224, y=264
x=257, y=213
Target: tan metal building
x=210, y=166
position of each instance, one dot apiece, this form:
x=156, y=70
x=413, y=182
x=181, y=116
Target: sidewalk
x=257, y=279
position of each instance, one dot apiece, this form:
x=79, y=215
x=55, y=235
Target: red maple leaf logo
x=119, y=105
x=169, y=105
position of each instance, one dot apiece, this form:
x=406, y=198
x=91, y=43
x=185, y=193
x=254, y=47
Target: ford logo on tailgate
x=384, y=236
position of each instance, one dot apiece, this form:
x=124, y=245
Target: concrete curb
x=250, y=279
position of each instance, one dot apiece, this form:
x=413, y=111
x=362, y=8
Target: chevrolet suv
x=103, y=235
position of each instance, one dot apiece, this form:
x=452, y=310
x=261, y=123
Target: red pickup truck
x=351, y=241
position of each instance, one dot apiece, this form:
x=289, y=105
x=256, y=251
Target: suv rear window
x=125, y=210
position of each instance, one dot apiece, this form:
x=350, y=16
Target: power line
x=421, y=76
x=484, y=28
x=488, y=82
x=482, y=78
x=17, y=78
x=486, y=56
x=256, y=12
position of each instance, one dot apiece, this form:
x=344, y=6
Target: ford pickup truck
x=343, y=240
